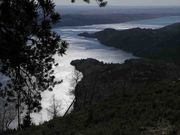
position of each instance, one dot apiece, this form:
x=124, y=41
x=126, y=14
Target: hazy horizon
x=124, y=2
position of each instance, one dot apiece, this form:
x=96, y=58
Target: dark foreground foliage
x=27, y=49
x=147, y=102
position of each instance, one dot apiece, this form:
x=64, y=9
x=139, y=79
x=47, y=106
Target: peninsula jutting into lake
x=91, y=67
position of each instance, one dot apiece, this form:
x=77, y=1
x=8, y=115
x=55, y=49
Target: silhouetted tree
x=76, y=77
x=26, y=121
x=27, y=47
x=55, y=107
x=7, y=115
x=101, y=3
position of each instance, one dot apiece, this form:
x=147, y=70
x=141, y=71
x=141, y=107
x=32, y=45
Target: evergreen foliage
x=27, y=47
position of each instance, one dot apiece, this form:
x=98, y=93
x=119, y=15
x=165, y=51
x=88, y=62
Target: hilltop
x=139, y=97
x=163, y=43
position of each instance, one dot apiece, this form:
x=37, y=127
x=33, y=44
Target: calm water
x=81, y=48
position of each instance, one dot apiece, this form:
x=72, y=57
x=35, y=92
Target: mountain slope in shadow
x=163, y=43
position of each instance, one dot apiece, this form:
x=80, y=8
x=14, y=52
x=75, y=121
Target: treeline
x=163, y=43
x=139, y=97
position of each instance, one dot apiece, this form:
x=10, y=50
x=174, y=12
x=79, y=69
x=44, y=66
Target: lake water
x=81, y=48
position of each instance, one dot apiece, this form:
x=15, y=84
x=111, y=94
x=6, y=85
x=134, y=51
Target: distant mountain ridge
x=163, y=43
x=89, y=15
x=91, y=19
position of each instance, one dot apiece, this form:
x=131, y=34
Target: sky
x=126, y=2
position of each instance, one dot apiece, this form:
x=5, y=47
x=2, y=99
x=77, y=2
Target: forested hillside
x=139, y=97
x=163, y=43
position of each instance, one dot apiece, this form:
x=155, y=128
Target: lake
x=82, y=48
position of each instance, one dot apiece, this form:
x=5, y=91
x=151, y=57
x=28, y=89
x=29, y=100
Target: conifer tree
x=27, y=47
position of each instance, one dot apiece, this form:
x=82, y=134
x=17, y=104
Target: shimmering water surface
x=81, y=48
